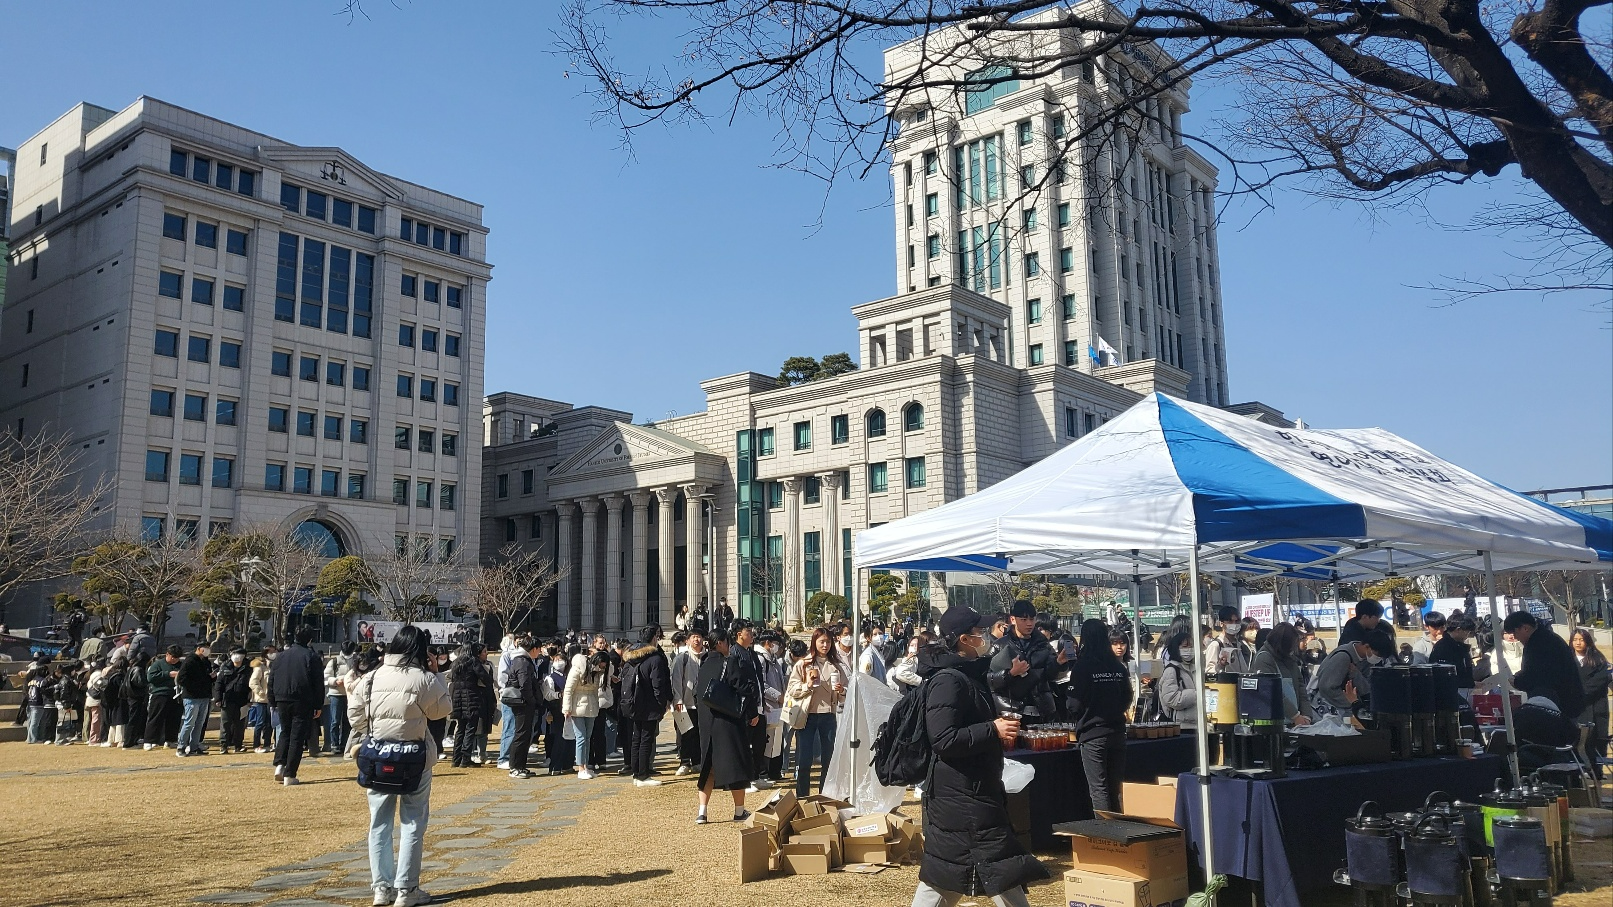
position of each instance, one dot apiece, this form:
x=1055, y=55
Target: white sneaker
x=412, y=897
x=586, y=775
x=646, y=782
x=683, y=769
x=384, y=895
x=279, y=772
x=148, y=746
x=504, y=764
x=259, y=749
x=293, y=782
x=763, y=784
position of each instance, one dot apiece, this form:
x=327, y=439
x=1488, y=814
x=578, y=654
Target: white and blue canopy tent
x=1169, y=484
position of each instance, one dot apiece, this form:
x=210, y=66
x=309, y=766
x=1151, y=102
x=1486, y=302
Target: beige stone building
x=229, y=325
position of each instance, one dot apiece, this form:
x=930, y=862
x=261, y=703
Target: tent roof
x=1135, y=495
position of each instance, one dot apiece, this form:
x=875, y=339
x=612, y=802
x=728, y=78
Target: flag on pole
x=1110, y=355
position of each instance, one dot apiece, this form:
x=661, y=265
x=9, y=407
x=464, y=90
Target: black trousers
x=641, y=746
x=561, y=751
x=1103, y=758
x=136, y=725
x=689, y=741
x=296, y=729
x=232, y=726
x=162, y=720
x=758, y=747
x=522, y=742
x=466, y=725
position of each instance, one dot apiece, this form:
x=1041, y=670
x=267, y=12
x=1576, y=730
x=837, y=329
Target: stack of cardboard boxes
x=818, y=834
x=1138, y=859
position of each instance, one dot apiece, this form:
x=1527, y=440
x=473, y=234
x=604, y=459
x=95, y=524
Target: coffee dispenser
x=1448, y=705
x=1258, y=739
x=1436, y=864
x=1371, y=858
x=1522, y=862
x=1221, y=711
x=1420, y=687
x=1391, y=707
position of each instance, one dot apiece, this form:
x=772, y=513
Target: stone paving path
x=467, y=843
x=262, y=761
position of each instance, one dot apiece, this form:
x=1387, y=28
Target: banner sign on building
x=1260, y=607
x=381, y=632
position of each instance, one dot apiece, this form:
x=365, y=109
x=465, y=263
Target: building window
x=173, y=226
x=839, y=429
x=932, y=163
x=991, y=83
x=400, y=491
x=201, y=291
x=361, y=378
x=302, y=480
x=1070, y=423
x=932, y=245
x=811, y=490
x=915, y=472
x=156, y=466
x=274, y=477
x=409, y=283
x=405, y=386
x=1067, y=306
x=206, y=235
x=224, y=412
x=504, y=485
x=308, y=368
x=876, y=424
x=454, y=297
x=279, y=419
x=406, y=335
x=528, y=481
x=169, y=284
x=878, y=479
x=235, y=242
x=450, y=445
x=291, y=198
x=1064, y=215
x=536, y=529
x=1066, y=260
x=358, y=431
x=812, y=561
x=190, y=469
x=450, y=345
x=775, y=495
x=1091, y=422
x=422, y=495
x=1033, y=264
x=234, y=298
x=1028, y=219
x=400, y=437
x=341, y=212
x=803, y=435
x=932, y=205
x=167, y=344
x=427, y=441
x=445, y=497
x=195, y=407
x=223, y=472
x=428, y=341
x=428, y=390
x=305, y=423
x=1071, y=353
x=162, y=403
x=913, y=417
x=330, y=482
x=280, y=363
x=450, y=394
x=764, y=442
x=431, y=289
x=1033, y=311
x=1036, y=354
x=199, y=349
x=333, y=428
x=355, y=485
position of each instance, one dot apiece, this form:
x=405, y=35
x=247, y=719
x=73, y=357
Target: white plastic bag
x=869, y=703
x=1017, y=775
x=1330, y=726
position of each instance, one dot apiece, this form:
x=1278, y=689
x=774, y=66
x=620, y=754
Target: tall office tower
x=227, y=325
x=1103, y=250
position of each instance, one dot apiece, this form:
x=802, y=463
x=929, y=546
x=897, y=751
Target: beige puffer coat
x=400, y=700
x=580, y=698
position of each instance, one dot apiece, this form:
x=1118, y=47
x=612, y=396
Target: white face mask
x=879, y=639
x=237, y=659
x=845, y=643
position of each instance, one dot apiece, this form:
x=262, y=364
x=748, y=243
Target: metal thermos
x=1522, y=861
x=1371, y=857
x=1448, y=704
x=1436, y=863
x=1261, y=712
x=1391, y=707
x=1221, y=711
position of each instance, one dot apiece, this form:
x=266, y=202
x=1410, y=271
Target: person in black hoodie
x=969, y=843
x=1022, y=669
x=1100, y=693
x=232, y=693
x=1452, y=649
x=646, y=694
x=297, y=687
x=526, y=678
x=195, y=686
x=1549, y=668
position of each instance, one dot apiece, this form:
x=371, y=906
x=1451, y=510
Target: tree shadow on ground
x=556, y=883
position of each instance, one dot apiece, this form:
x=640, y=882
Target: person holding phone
x=817, y=682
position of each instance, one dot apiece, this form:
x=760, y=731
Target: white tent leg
x=1201, y=730
x=1136, y=639
x=1506, y=673
x=851, y=692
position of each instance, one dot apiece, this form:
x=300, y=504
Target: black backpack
x=902, y=753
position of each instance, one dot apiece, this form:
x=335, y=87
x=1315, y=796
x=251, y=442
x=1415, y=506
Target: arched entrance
x=321, y=538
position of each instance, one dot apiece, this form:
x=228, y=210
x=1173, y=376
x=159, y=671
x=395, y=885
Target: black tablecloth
x=1059, y=791
x=1288, y=833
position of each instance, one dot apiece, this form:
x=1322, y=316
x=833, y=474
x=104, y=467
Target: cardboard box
x=775, y=815
x=874, y=825
x=827, y=836
x=1161, y=860
x=871, y=850
x=801, y=825
x=912, y=838
x=755, y=853
x=805, y=859
x=1092, y=889
x=1155, y=801
x=829, y=804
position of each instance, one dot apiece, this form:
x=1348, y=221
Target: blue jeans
x=506, y=731
x=403, y=871
x=583, y=727
x=816, y=739
x=39, y=722
x=336, y=726
x=193, y=727
x=257, y=716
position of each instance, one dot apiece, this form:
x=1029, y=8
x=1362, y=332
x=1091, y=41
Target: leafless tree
x=278, y=569
x=1371, y=101
x=410, y=580
x=45, y=508
x=131, y=574
x=510, y=588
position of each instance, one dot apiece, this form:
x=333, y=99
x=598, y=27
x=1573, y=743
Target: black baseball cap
x=960, y=620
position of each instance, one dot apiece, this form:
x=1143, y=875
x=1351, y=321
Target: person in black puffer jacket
x=1100, y=693
x=470, y=685
x=969, y=844
x=646, y=694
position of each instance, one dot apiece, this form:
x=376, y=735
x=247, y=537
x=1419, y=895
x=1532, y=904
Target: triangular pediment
x=335, y=170
x=623, y=446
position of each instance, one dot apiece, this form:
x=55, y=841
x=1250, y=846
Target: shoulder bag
x=721, y=697
x=388, y=766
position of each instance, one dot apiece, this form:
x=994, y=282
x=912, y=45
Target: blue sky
x=719, y=263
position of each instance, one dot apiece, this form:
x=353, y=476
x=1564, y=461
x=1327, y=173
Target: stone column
x=665, y=572
x=640, y=568
x=830, y=495
x=794, y=607
x=590, y=567
x=563, y=562
x=693, y=535
x=613, y=562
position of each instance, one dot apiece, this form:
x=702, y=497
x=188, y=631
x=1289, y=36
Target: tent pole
x=1136, y=636
x=1338, y=605
x=1506, y=676
x=1201, y=732
x=851, y=691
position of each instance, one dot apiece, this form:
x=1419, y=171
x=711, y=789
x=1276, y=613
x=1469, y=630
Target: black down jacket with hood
x=969, y=844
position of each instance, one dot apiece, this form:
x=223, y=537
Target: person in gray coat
x=1280, y=655
x=1178, y=693
x=1333, y=688
x=686, y=699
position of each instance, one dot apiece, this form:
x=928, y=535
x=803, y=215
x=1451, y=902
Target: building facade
x=228, y=325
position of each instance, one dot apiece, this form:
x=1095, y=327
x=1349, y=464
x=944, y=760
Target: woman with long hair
x=395, y=702
x=1100, y=693
x=1280, y=655
x=470, y=684
x=818, y=682
x=579, y=704
x=1178, y=694
x=1593, y=676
